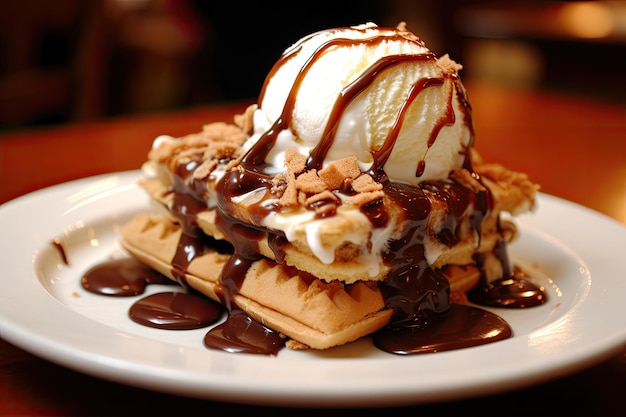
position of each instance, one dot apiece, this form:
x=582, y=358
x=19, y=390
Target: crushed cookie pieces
x=295, y=162
x=323, y=196
x=364, y=183
x=163, y=151
x=324, y=203
x=205, y=169
x=222, y=132
x=362, y=199
x=215, y=143
x=467, y=180
x=335, y=173
x=315, y=189
x=290, y=195
x=279, y=183
x=310, y=183
x=245, y=121
x=221, y=150
x=448, y=65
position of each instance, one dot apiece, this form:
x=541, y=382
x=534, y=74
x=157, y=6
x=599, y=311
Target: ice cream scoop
x=377, y=93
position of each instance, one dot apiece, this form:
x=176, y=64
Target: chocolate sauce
x=241, y=334
x=186, y=208
x=58, y=245
x=384, y=152
x=413, y=289
x=189, y=199
x=513, y=291
x=127, y=277
x=318, y=154
x=460, y=327
x=175, y=311
x=188, y=248
x=245, y=240
x=186, y=204
x=124, y=277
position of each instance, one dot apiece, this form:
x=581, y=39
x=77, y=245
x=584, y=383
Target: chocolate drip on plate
x=241, y=334
x=513, y=290
x=461, y=327
x=175, y=311
x=124, y=277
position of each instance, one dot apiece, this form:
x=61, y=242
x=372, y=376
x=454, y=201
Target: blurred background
x=70, y=60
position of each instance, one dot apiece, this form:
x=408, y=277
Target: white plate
x=577, y=253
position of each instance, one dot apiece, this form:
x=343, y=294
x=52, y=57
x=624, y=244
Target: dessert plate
x=576, y=253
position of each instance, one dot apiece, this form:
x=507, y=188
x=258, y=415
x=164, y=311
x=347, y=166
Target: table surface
x=573, y=147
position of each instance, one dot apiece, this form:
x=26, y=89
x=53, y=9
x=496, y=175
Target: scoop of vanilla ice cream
x=428, y=121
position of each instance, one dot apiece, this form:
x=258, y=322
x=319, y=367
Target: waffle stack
x=312, y=303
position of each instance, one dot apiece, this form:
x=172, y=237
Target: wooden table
x=575, y=148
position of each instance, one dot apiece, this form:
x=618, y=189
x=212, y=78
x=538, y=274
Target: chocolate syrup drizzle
x=238, y=333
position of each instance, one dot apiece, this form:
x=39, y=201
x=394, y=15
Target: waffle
x=512, y=193
x=345, y=238
x=308, y=311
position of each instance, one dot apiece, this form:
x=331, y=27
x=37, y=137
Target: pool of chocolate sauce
x=173, y=310
x=463, y=326
x=121, y=278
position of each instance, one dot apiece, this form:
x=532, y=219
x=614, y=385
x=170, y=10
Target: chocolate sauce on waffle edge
x=238, y=333
x=513, y=289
